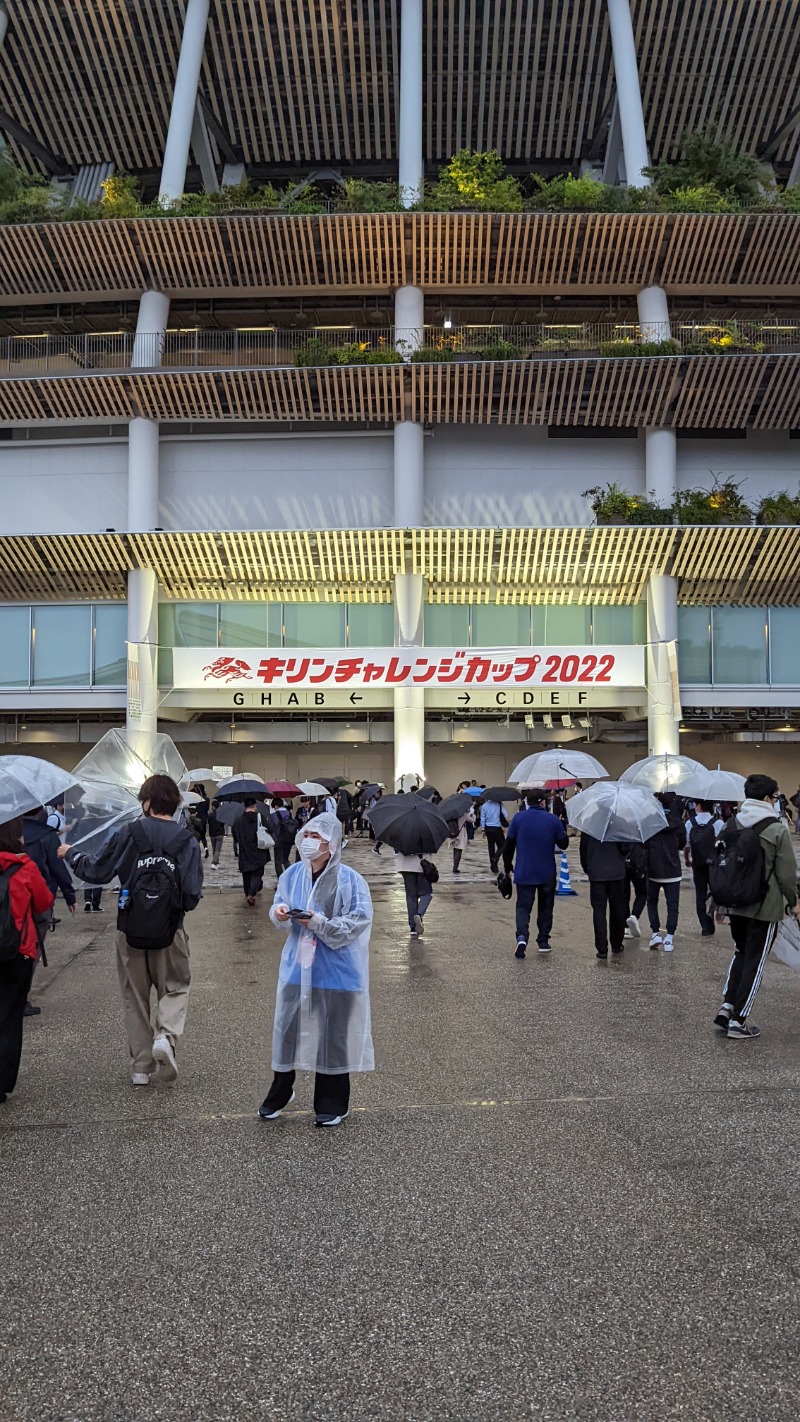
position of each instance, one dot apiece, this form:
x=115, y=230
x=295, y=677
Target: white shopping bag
x=787, y=942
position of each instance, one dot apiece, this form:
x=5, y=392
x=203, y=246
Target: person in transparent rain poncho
x=322, y=1016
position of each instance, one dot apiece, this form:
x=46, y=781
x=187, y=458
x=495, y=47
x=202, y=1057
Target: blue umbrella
x=475, y=790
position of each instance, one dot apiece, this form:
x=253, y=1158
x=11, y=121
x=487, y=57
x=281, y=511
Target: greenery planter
x=778, y=509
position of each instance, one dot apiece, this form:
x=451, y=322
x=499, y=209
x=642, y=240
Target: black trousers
x=526, y=897
x=331, y=1093
x=753, y=939
x=637, y=883
x=495, y=840
x=93, y=896
x=252, y=882
x=15, y=982
x=701, y=894
x=281, y=854
x=609, y=900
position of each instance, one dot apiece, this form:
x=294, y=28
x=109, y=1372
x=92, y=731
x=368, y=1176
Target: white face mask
x=311, y=848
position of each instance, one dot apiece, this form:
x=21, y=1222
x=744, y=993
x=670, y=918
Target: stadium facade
x=391, y=568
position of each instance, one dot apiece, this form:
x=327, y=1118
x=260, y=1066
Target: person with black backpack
x=284, y=829
x=161, y=878
x=23, y=896
x=754, y=876
x=702, y=832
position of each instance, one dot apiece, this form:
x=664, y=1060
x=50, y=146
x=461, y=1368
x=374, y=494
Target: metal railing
x=197, y=349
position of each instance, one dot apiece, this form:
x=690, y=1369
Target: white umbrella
x=27, y=782
x=558, y=764
x=108, y=782
x=203, y=773
x=662, y=772
x=190, y=797
x=619, y=813
x=714, y=785
x=311, y=787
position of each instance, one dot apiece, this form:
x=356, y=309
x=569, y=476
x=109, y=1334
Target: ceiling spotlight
x=566, y=722
x=548, y=721
x=585, y=722
x=448, y=321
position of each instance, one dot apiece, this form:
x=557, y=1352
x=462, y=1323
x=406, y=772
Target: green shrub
x=475, y=181
x=610, y=503
x=722, y=503
x=710, y=160
x=121, y=196
x=425, y=354
x=627, y=347
x=501, y=349
x=316, y=352
x=779, y=508
x=359, y=195
x=385, y=356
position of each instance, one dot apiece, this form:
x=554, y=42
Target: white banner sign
x=335, y=669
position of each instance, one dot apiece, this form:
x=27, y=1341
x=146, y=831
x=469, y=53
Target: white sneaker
x=165, y=1056
x=628, y=934
x=655, y=941
x=419, y=924
x=633, y=929
x=668, y=944
x=140, y=1078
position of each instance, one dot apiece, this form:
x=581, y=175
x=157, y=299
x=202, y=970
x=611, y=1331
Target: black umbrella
x=501, y=792
x=408, y=824
x=367, y=791
x=230, y=813
x=429, y=792
x=331, y=782
x=455, y=806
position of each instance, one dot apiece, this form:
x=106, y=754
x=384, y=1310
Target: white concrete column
x=142, y=709
x=629, y=95
x=184, y=98
x=663, y=691
x=660, y=465
x=653, y=313
x=409, y=319
x=3, y=21
x=411, y=167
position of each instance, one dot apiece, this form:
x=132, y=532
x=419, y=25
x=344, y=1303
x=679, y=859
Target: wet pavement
x=561, y=1195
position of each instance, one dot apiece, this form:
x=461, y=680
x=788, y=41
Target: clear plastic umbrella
x=715, y=785
x=27, y=782
x=109, y=779
x=558, y=764
x=202, y=773
x=662, y=772
x=311, y=787
x=623, y=814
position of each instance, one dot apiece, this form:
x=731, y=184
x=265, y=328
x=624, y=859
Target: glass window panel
x=568, y=627
x=15, y=641
x=446, y=626
x=739, y=646
x=62, y=645
x=538, y=625
x=370, y=624
x=250, y=624
x=501, y=626
x=784, y=638
x=694, y=646
x=110, y=645
x=187, y=624
x=313, y=624
x=619, y=626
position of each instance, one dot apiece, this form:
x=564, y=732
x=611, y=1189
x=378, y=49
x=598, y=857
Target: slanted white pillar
x=143, y=434
x=409, y=140
x=3, y=21
x=663, y=693
x=184, y=99
x=629, y=96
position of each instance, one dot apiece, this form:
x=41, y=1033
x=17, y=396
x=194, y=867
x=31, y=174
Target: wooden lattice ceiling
x=747, y=566
x=303, y=83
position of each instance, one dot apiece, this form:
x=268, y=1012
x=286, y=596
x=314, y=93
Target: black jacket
x=250, y=856
x=41, y=845
x=119, y=854
x=602, y=862
x=663, y=856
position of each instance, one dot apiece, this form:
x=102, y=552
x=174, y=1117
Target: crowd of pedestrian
x=741, y=856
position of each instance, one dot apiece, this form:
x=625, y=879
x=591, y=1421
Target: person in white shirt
x=56, y=819
x=702, y=833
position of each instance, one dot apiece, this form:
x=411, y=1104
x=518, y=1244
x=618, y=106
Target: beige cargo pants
x=166, y=970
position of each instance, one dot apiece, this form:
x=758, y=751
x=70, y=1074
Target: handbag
x=429, y=870
x=264, y=839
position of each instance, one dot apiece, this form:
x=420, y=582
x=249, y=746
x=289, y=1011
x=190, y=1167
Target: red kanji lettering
x=297, y=670
x=348, y=668
x=397, y=673
x=373, y=671
x=501, y=671
x=421, y=677
x=478, y=669
x=325, y=674
x=525, y=667
x=450, y=668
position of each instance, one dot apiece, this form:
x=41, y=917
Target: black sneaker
x=545, y=948
x=521, y=946
x=723, y=1017
x=742, y=1031
x=617, y=951
x=331, y=1120
x=30, y=1011
x=87, y=908
x=271, y=1113
x=600, y=954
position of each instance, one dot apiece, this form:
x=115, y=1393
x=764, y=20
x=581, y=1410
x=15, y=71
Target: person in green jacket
x=754, y=927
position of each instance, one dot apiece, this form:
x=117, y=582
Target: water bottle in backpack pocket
x=150, y=916
x=737, y=873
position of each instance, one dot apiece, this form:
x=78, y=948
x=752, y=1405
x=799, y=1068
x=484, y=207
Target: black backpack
x=429, y=870
x=10, y=935
x=701, y=841
x=737, y=874
x=153, y=911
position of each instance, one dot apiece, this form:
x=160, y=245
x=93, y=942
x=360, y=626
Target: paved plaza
x=561, y=1195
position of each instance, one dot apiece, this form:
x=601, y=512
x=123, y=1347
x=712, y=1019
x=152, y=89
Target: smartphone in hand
x=299, y=915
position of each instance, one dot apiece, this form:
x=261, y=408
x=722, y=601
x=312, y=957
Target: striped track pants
x=753, y=938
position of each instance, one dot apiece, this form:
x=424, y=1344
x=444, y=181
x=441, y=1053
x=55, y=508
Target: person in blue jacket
x=322, y=1012
x=535, y=834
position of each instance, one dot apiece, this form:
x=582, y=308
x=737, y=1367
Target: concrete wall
x=474, y=476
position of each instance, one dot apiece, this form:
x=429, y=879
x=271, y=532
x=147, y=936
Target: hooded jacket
x=28, y=895
x=41, y=845
x=603, y=862
x=781, y=866
x=119, y=855
x=663, y=856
